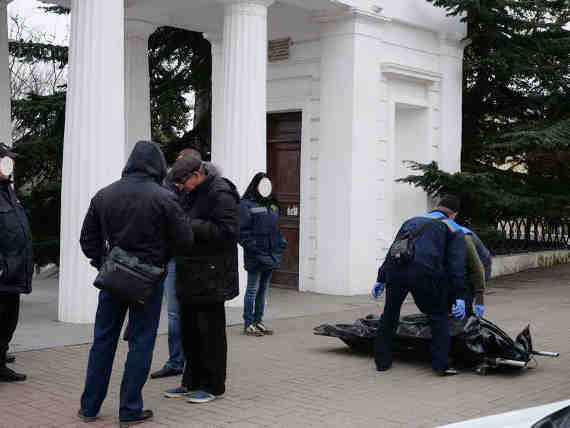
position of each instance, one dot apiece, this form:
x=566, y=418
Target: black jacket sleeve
x=92, y=240
x=222, y=224
x=179, y=228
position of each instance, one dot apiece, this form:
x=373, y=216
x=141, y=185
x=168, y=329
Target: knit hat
x=451, y=202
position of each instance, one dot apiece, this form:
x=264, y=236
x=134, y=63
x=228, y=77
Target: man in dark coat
x=435, y=275
x=144, y=219
x=16, y=261
x=206, y=278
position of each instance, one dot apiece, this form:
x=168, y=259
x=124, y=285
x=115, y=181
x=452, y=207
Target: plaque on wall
x=279, y=49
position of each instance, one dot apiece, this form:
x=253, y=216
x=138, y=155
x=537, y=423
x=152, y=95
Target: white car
x=553, y=415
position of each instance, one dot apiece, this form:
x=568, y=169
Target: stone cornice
x=265, y=3
x=347, y=13
x=398, y=71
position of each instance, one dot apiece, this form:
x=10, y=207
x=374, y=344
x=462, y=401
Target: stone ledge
x=509, y=264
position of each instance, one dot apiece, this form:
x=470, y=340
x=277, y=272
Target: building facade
x=352, y=89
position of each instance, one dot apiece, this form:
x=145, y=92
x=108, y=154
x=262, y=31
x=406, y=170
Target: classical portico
x=372, y=82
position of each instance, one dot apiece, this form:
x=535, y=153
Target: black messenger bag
x=126, y=277
x=403, y=249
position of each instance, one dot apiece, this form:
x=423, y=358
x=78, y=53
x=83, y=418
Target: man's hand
x=479, y=310
x=378, y=289
x=459, y=309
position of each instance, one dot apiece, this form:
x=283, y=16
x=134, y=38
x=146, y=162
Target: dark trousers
x=109, y=320
x=430, y=297
x=9, y=313
x=205, y=346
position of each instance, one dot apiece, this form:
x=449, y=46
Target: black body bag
x=403, y=249
x=126, y=277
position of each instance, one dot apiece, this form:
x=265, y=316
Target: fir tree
x=516, y=111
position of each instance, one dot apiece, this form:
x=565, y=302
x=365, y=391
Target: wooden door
x=284, y=169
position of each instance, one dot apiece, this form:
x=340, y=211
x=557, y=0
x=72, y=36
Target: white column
x=137, y=84
x=348, y=166
x=218, y=142
x=94, y=152
x=244, y=90
x=5, y=115
x=243, y=150
x=451, y=67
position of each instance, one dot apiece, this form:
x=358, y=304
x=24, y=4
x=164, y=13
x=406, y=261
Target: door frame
x=291, y=106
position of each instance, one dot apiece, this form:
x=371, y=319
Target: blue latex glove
x=479, y=310
x=378, y=289
x=459, y=309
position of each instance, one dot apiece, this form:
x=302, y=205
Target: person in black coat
x=146, y=220
x=16, y=261
x=206, y=278
x=263, y=245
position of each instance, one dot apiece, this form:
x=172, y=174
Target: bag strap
x=106, y=243
x=425, y=226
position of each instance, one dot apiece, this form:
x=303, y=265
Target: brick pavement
x=296, y=379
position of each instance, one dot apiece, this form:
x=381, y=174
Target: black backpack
x=403, y=249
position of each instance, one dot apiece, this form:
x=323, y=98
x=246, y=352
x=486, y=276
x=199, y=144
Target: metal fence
x=518, y=235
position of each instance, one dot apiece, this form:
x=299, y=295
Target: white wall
x=411, y=143
x=373, y=93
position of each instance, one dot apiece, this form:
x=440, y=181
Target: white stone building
x=364, y=85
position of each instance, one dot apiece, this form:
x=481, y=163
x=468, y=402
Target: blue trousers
x=175, y=351
x=255, y=294
x=109, y=320
x=431, y=299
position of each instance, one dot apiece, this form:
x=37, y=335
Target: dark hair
x=450, y=202
x=252, y=193
x=183, y=168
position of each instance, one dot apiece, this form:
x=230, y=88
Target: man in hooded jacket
x=206, y=278
x=144, y=219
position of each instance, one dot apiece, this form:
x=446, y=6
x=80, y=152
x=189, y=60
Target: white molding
x=404, y=72
x=347, y=13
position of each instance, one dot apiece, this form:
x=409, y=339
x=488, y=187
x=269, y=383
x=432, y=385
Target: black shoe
x=10, y=358
x=144, y=416
x=9, y=375
x=165, y=372
x=450, y=371
x=383, y=367
x=86, y=419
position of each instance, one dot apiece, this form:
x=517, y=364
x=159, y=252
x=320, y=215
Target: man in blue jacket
x=433, y=271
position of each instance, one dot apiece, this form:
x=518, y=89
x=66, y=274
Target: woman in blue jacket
x=263, y=247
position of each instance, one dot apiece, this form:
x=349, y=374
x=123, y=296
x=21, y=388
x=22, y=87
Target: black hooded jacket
x=139, y=214
x=209, y=274
x=16, y=260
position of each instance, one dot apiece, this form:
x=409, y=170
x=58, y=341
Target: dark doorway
x=284, y=168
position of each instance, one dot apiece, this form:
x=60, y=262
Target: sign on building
x=279, y=49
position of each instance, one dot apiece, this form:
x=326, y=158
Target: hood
x=146, y=158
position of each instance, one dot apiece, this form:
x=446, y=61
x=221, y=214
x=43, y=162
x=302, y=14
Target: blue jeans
x=430, y=298
x=109, y=320
x=254, y=303
x=175, y=351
